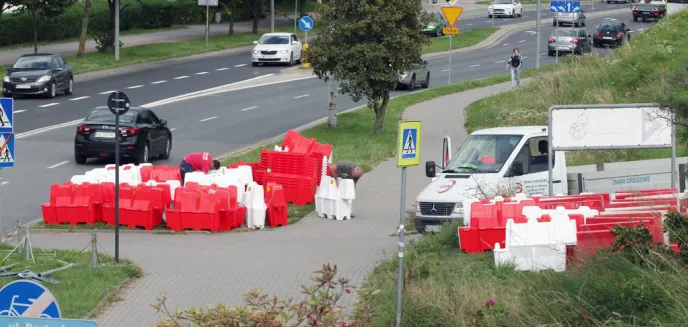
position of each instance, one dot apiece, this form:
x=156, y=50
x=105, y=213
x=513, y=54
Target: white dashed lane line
x=471, y=24
x=249, y=108
x=173, y=129
x=48, y=105
x=221, y=69
x=106, y=92
x=241, y=65
x=134, y=87
x=521, y=41
x=544, y=53
x=18, y=111
x=57, y=164
x=301, y=96
x=201, y=73
x=446, y=70
x=159, y=82
x=505, y=44
x=472, y=66
x=500, y=62
x=181, y=77
x=4, y=183
x=80, y=98
x=209, y=118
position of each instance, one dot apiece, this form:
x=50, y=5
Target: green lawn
x=463, y=40
x=83, y=291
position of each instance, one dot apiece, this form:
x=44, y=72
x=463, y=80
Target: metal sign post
x=119, y=104
x=408, y=154
x=451, y=15
x=537, y=33
x=207, y=4
x=116, y=45
x=306, y=24
x=6, y=139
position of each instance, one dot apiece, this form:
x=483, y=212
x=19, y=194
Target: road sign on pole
x=6, y=115
x=119, y=104
x=451, y=14
x=306, y=23
x=42, y=322
x=450, y=30
x=28, y=299
x=452, y=2
x=564, y=6
x=6, y=150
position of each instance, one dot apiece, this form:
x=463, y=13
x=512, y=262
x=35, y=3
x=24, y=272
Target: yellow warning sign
x=450, y=31
x=451, y=14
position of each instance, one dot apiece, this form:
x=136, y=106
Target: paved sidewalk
x=198, y=270
x=8, y=56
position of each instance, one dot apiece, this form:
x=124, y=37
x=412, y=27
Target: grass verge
x=94, y=61
x=634, y=73
x=83, y=291
x=445, y=287
x=463, y=40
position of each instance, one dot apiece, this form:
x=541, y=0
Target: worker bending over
x=199, y=161
x=345, y=170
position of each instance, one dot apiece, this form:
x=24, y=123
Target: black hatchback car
x=142, y=134
x=38, y=74
x=611, y=33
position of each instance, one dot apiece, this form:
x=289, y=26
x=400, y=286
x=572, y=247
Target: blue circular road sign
x=306, y=23
x=28, y=299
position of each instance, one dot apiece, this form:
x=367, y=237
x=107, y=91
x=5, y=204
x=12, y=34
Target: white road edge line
x=201, y=73
x=106, y=92
x=209, y=118
x=134, y=87
x=221, y=69
x=181, y=77
x=80, y=98
x=240, y=65
x=18, y=111
x=446, y=70
x=249, y=108
x=301, y=96
x=58, y=164
x=48, y=105
x=159, y=82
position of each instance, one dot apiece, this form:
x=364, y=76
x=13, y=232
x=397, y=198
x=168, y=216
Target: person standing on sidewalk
x=515, y=62
x=199, y=161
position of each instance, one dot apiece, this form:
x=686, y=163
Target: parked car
x=419, y=74
x=38, y=74
x=435, y=26
x=574, y=19
x=612, y=33
x=654, y=11
x=284, y=48
x=565, y=40
x=142, y=134
x=510, y=8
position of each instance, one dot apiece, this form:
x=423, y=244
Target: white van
x=490, y=162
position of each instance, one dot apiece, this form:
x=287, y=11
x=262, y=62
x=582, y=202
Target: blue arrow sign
x=564, y=6
x=306, y=23
x=28, y=299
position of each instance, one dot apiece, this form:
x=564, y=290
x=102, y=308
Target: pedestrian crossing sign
x=408, y=152
x=6, y=115
x=6, y=150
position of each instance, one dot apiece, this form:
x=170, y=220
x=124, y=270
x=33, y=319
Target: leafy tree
x=673, y=96
x=43, y=10
x=230, y=8
x=255, y=7
x=364, y=45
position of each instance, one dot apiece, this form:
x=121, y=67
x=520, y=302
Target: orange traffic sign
x=451, y=14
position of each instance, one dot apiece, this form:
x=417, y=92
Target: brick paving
x=197, y=270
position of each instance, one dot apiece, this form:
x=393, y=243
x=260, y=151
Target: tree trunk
x=256, y=15
x=110, y=44
x=302, y=8
x=84, y=29
x=35, y=32
x=231, y=23
x=380, y=110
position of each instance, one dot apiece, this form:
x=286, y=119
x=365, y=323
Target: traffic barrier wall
x=71, y=203
x=297, y=143
x=305, y=164
x=537, y=245
x=201, y=209
x=223, y=178
x=335, y=202
x=235, y=212
x=170, y=187
x=164, y=173
x=299, y=190
x=255, y=206
x=140, y=206
x=277, y=209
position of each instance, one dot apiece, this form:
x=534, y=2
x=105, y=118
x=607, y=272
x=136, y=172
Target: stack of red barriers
x=488, y=217
x=205, y=208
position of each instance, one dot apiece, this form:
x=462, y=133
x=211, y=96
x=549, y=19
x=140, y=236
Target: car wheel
x=143, y=158
x=438, y=32
x=489, y=16
x=168, y=149
x=7, y=95
x=70, y=87
x=254, y=64
x=583, y=23
x=80, y=159
x=520, y=13
x=291, y=59
x=554, y=23
x=550, y=53
x=427, y=81
x=412, y=85
x=52, y=91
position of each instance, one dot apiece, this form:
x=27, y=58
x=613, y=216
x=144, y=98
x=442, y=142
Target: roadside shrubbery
x=636, y=72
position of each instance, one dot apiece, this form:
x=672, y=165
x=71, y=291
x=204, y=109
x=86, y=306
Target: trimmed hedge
x=147, y=14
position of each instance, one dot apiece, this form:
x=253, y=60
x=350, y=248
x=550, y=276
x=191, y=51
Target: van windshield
x=483, y=154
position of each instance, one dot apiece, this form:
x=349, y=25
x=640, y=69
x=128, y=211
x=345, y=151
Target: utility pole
x=116, y=30
x=537, y=30
x=272, y=16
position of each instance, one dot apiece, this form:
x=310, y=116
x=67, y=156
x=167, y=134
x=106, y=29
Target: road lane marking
x=505, y=44
x=48, y=105
x=241, y=65
x=173, y=129
x=249, y=108
x=106, y=92
x=524, y=57
x=181, y=77
x=209, y=118
x=159, y=82
x=447, y=70
x=544, y=53
x=57, y=164
x=201, y=73
x=474, y=66
x=221, y=69
x=301, y=96
x=48, y=128
x=499, y=62
x=521, y=41
x=18, y=111
x=80, y=98
x=5, y=183
x=471, y=24
x=488, y=21
x=135, y=87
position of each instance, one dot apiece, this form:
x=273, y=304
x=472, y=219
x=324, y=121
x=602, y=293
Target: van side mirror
x=430, y=169
x=255, y=42
x=517, y=169
x=163, y=122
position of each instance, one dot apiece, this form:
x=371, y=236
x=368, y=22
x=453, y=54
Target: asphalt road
x=179, y=78
x=227, y=121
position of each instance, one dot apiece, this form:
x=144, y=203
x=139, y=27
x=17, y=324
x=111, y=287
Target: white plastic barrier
x=174, y=184
x=532, y=212
x=223, y=177
x=335, y=202
x=255, y=206
x=537, y=245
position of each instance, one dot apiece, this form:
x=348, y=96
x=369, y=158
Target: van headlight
x=458, y=208
x=43, y=79
x=284, y=51
x=417, y=207
x=6, y=79
x=255, y=51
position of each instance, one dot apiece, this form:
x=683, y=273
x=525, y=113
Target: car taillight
x=550, y=40
x=597, y=33
x=576, y=41
x=618, y=36
x=130, y=131
x=83, y=129
x=635, y=12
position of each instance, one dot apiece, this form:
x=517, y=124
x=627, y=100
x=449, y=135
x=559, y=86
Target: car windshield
x=502, y=2
x=106, y=117
x=274, y=39
x=609, y=28
x=564, y=32
x=483, y=154
x=33, y=62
